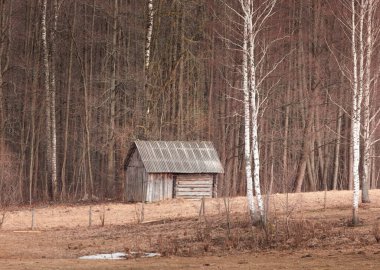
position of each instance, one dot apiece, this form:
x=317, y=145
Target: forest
x=81, y=80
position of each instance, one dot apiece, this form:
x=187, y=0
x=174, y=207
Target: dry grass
x=175, y=228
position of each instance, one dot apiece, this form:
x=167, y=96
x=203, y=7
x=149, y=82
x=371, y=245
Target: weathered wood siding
x=142, y=186
x=194, y=186
x=136, y=179
x=159, y=187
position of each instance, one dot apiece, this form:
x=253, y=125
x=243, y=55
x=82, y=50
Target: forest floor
x=305, y=231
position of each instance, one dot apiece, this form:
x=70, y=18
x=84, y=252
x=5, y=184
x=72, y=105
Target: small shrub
x=376, y=230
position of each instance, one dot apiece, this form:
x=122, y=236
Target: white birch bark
x=254, y=120
x=253, y=22
x=356, y=111
x=247, y=133
x=54, y=179
x=148, y=37
x=148, y=42
x=48, y=97
x=367, y=140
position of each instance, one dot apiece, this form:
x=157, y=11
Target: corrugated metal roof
x=178, y=157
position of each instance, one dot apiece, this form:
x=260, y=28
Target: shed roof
x=177, y=157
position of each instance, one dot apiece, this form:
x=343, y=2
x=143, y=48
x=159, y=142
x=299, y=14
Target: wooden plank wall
x=194, y=186
x=135, y=179
x=159, y=187
x=141, y=186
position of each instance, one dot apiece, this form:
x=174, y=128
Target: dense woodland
x=80, y=80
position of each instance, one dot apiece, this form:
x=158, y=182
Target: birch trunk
x=48, y=97
x=254, y=114
x=148, y=37
x=52, y=106
x=147, y=57
x=356, y=113
x=253, y=22
x=367, y=140
x=247, y=133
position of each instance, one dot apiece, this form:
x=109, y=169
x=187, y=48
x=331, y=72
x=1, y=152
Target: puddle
x=119, y=256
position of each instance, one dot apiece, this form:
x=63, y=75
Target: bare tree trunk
x=337, y=148
x=305, y=151
x=181, y=86
x=285, y=171
x=367, y=138
x=4, y=24
x=67, y=113
x=111, y=140
x=308, y=122
x=33, y=138
x=211, y=89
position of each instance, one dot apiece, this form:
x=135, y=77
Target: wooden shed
x=158, y=170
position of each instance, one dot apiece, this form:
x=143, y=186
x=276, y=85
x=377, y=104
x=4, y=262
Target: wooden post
x=103, y=217
x=142, y=212
x=174, y=186
x=202, y=210
x=33, y=219
x=89, y=217
x=214, y=186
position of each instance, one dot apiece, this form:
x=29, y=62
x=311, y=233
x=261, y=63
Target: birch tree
x=362, y=46
x=370, y=7
x=358, y=71
x=147, y=59
x=51, y=149
x=356, y=104
x=247, y=129
x=254, y=18
x=148, y=38
x=52, y=104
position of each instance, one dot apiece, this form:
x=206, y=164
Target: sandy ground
x=62, y=235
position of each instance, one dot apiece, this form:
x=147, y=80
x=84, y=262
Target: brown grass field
x=304, y=232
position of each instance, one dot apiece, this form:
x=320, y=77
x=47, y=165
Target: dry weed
x=376, y=230
x=3, y=215
x=139, y=212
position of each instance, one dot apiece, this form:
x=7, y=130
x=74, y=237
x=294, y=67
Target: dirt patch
x=303, y=232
